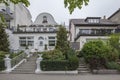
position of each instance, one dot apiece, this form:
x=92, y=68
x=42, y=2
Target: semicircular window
x=41, y=38
x=44, y=19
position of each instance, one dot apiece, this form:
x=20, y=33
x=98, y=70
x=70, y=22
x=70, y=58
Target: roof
x=114, y=13
x=83, y=22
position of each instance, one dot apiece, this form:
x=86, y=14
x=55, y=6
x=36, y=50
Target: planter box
x=106, y=71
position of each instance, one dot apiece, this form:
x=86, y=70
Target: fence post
x=8, y=64
x=39, y=59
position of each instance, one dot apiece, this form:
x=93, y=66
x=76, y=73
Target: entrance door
x=41, y=44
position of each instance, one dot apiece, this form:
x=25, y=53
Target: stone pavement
x=58, y=77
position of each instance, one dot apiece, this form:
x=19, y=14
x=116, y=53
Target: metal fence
x=17, y=59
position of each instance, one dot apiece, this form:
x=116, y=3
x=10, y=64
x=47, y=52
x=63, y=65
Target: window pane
x=41, y=43
x=51, y=37
x=52, y=43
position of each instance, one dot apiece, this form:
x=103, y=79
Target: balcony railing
x=34, y=31
x=100, y=32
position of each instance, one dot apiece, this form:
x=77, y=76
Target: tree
x=6, y=2
x=114, y=42
x=62, y=42
x=72, y=4
x=4, y=44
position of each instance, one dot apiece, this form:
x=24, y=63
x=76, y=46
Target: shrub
x=53, y=55
x=62, y=65
x=2, y=64
x=97, y=54
x=112, y=65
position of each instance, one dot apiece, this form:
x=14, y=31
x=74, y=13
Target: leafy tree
x=6, y=2
x=72, y=4
x=62, y=42
x=4, y=44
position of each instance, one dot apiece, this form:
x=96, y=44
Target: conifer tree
x=4, y=44
x=62, y=43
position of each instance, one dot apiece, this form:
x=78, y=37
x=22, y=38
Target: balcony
x=34, y=30
x=96, y=32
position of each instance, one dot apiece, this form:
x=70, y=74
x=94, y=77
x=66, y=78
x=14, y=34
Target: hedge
x=61, y=65
x=2, y=65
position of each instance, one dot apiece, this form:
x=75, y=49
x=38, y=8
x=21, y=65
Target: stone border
x=57, y=72
x=106, y=71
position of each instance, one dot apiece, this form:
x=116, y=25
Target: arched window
x=44, y=19
x=41, y=38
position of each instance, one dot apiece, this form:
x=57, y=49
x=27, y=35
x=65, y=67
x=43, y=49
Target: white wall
x=36, y=41
x=21, y=15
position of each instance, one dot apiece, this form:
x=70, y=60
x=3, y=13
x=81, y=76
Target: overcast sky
x=95, y=8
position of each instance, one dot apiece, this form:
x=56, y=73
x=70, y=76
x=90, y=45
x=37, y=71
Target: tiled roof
x=84, y=22
x=114, y=13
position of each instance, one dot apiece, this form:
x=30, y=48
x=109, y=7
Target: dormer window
x=44, y=19
x=93, y=19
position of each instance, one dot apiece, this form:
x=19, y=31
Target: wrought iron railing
x=17, y=59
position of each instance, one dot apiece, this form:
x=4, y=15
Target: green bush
x=112, y=65
x=97, y=54
x=53, y=55
x=62, y=65
x=12, y=55
x=55, y=61
x=2, y=64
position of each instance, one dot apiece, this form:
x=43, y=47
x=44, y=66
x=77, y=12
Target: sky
x=95, y=8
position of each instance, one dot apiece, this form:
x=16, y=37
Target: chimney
x=104, y=17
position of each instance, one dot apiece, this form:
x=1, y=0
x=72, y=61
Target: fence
x=17, y=59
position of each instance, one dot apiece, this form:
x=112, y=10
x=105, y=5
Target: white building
x=24, y=33
x=37, y=36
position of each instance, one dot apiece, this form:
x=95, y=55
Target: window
x=44, y=29
x=85, y=31
x=52, y=37
x=51, y=40
x=26, y=41
x=44, y=19
x=93, y=20
x=41, y=38
x=41, y=43
x=51, y=29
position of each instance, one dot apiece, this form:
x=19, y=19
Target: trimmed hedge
x=2, y=65
x=62, y=65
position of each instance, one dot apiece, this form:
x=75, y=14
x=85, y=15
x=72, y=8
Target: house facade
x=39, y=36
x=91, y=28
x=23, y=33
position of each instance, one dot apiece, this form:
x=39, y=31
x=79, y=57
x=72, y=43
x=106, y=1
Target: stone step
x=27, y=67
x=23, y=72
x=83, y=69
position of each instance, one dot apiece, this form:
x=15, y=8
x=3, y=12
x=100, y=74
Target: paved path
x=58, y=77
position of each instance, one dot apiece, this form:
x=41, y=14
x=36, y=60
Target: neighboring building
x=115, y=17
x=91, y=28
x=15, y=15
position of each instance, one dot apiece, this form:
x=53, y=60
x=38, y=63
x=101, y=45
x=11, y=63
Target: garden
x=62, y=58
x=102, y=55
